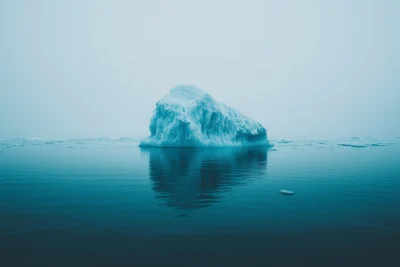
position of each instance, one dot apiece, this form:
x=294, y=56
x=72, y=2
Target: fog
x=304, y=69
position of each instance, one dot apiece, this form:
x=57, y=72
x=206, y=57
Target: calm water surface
x=110, y=203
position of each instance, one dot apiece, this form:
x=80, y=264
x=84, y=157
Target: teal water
x=108, y=202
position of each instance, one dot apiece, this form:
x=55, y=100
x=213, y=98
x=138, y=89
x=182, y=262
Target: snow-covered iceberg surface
x=189, y=117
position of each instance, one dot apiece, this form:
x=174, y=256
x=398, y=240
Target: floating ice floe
x=362, y=145
x=352, y=145
x=283, y=141
x=49, y=142
x=287, y=192
x=36, y=142
x=122, y=139
x=14, y=142
x=378, y=144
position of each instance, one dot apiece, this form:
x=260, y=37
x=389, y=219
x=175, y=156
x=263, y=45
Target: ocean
x=108, y=202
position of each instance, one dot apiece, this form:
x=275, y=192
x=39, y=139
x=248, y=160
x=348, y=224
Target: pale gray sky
x=304, y=69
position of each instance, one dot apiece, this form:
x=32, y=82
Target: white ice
x=189, y=117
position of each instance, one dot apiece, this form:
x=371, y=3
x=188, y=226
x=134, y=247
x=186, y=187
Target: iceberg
x=189, y=117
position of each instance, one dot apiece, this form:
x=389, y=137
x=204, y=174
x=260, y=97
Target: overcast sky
x=304, y=69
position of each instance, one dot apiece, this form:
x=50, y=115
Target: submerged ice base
x=189, y=117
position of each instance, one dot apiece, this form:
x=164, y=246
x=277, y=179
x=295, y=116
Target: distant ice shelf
x=189, y=117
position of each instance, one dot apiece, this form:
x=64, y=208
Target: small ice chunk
x=378, y=144
x=287, y=192
x=356, y=145
x=283, y=141
x=122, y=139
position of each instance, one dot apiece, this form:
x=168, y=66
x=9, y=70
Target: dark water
x=110, y=203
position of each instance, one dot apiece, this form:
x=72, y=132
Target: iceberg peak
x=190, y=117
x=187, y=89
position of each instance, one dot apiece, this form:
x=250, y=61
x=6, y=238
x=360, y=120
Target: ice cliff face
x=189, y=117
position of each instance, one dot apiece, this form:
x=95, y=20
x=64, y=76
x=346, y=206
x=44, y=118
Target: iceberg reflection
x=189, y=178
